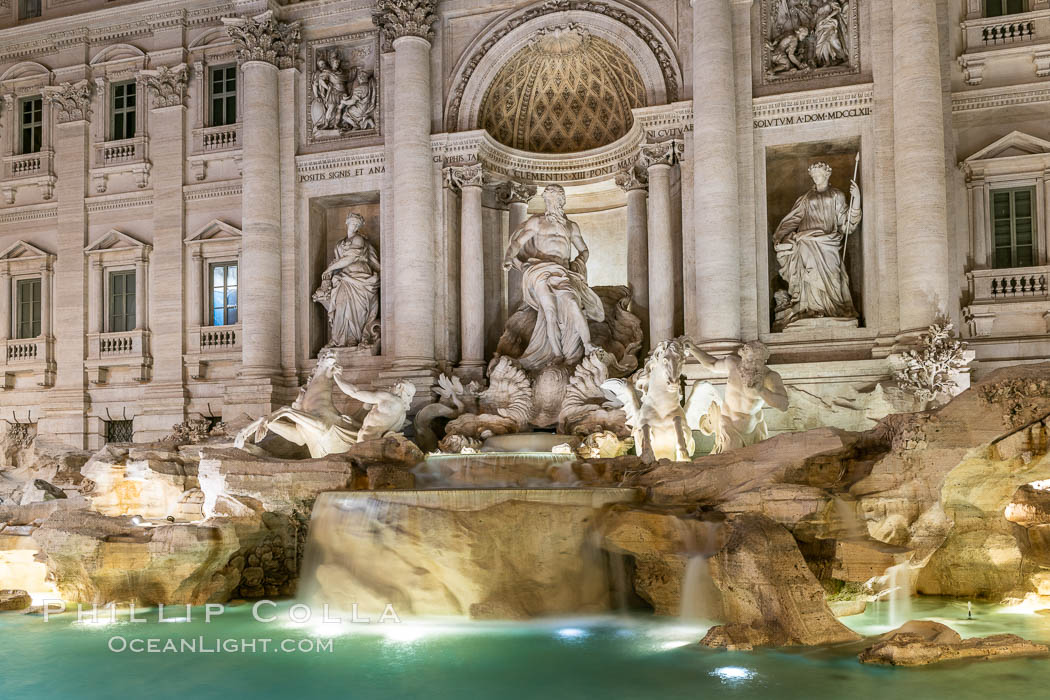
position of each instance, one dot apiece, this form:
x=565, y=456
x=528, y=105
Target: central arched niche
x=566, y=91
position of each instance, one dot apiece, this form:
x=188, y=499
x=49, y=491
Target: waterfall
x=699, y=596
x=852, y=526
x=698, y=590
x=899, y=580
x=483, y=553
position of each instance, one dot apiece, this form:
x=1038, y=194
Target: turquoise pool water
x=607, y=658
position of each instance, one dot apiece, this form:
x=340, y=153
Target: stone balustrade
x=992, y=38
x=217, y=138
x=27, y=357
x=220, y=339
x=1016, y=284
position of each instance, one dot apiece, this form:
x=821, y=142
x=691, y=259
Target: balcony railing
x=124, y=345
x=1008, y=33
x=217, y=339
x=24, y=350
x=217, y=138
x=26, y=357
x=125, y=151
x=1014, y=284
x=25, y=165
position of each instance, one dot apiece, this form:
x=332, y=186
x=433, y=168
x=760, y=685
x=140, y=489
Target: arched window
x=998, y=8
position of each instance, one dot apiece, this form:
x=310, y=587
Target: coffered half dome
x=566, y=91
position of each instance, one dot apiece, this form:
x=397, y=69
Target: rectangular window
x=224, y=294
x=121, y=301
x=27, y=313
x=1013, y=226
x=222, y=93
x=120, y=430
x=998, y=8
x=122, y=105
x=28, y=9
x=31, y=122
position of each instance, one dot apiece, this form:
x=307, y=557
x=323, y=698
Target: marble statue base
x=809, y=324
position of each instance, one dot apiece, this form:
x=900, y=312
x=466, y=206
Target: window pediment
x=20, y=250
x=1015, y=153
x=215, y=231
x=114, y=242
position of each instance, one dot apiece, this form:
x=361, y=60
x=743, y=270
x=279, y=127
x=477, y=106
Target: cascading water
x=899, y=596
x=699, y=599
x=852, y=527
x=487, y=553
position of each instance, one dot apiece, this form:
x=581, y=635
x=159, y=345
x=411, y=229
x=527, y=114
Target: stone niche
x=327, y=229
x=787, y=179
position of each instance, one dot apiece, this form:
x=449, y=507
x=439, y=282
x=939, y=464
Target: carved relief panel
x=343, y=84
x=809, y=39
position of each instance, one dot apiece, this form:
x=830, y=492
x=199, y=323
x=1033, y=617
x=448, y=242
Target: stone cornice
x=196, y=193
x=401, y=18
x=70, y=102
x=813, y=106
x=106, y=25
x=263, y=38
x=990, y=98
x=34, y=212
x=116, y=202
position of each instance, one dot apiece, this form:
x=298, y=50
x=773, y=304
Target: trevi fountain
x=557, y=348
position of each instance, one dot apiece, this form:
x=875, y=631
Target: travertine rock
x=14, y=600
x=765, y=584
x=138, y=481
x=281, y=486
x=927, y=642
x=100, y=559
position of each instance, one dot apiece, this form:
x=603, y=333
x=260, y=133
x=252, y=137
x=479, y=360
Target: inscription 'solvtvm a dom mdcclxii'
x=199, y=198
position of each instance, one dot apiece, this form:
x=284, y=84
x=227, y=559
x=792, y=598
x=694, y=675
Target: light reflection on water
x=609, y=657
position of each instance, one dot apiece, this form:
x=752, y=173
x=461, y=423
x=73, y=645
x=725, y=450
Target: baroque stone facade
x=177, y=180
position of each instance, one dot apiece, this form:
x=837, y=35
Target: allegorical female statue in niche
x=349, y=290
x=809, y=244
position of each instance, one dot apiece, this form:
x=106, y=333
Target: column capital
x=634, y=178
x=663, y=153
x=167, y=85
x=263, y=38
x=71, y=101
x=400, y=18
x=510, y=192
x=459, y=176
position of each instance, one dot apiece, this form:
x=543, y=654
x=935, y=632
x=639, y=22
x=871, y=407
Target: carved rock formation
x=919, y=643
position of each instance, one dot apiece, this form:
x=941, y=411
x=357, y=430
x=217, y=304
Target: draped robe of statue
x=352, y=301
x=810, y=254
x=567, y=284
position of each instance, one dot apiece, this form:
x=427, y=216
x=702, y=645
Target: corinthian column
x=715, y=190
x=918, y=135
x=516, y=196
x=468, y=180
x=635, y=183
x=264, y=45
x=406, y=25
x=658, y=159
